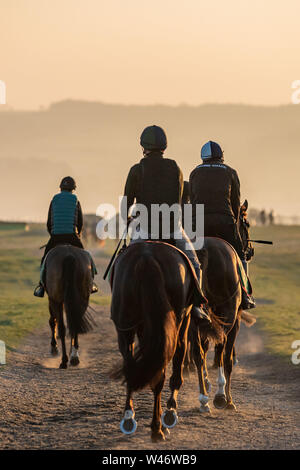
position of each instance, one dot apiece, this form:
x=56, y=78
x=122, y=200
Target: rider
x=159, y=180
x=217, y=186
x=64, y=224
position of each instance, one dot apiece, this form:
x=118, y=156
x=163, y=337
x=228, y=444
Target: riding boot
x=39, y=291
x=248, y=301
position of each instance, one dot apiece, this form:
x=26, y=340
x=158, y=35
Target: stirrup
x=247, y=301
x=94, y=288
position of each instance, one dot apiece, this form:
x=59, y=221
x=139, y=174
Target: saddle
x=197, y=289
x=43, y=266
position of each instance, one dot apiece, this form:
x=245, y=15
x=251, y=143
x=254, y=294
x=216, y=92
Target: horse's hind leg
x=128, y=424
x=156, y=427
x=220, y=398
x=228, y=363
x=205, y=347
x=169, y=418
x=52, y=323
x=198, y=356
x=74, y=356
x=62, y=334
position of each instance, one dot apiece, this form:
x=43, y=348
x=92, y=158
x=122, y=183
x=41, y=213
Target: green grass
x=275, y=275
x=20, y=311
x=274, y=272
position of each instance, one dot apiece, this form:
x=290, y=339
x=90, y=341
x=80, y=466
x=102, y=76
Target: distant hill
x=97, y=143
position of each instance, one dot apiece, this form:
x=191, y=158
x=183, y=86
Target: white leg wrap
x=221, y=381
x=128, y=414
x=204, y=406
x=74, y=352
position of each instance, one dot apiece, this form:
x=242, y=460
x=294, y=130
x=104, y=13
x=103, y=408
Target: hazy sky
x=149, y=51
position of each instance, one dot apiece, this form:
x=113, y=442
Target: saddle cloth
x=198, y=291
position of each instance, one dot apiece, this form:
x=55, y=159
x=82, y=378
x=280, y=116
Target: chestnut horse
x=68, y=282
x=152, y=295
x=221, y=286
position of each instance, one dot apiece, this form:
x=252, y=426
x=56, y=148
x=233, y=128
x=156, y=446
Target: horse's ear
x=245, y=204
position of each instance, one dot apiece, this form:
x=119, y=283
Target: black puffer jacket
x=217, y=186
x=154, y=180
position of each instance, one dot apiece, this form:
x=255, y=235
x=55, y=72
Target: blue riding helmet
x=211, y=150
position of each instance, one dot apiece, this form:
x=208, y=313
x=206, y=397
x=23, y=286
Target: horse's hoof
x=157, y=436
x=54, y=350
x=220, y=402
x=231, y=406
x=204, y=409
x=74, y=361
x=169, y=418
x=235, y=361
x=63, y=365
x=128, y=424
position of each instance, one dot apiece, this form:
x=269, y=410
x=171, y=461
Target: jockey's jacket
x=217, y=186
x=65, y=214
x=154, y=180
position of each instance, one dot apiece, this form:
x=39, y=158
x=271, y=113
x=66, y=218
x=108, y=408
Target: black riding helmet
x=68, y=183
x=153, y=138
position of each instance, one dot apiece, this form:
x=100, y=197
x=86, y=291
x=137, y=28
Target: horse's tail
x=78, y=319
x=158, y=339
x=248, y=318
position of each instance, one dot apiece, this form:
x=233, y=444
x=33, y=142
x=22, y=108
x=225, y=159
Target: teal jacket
x=65, y=214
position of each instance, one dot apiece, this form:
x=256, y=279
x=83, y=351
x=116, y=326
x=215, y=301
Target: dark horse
x=221, y=286
x=68, y=285
x=151, y=298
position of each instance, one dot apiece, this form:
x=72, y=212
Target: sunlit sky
x=149, y=51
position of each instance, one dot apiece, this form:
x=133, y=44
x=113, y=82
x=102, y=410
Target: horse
x=152, y=295
x=221, y=286
x=244, y=230
x=68, y=281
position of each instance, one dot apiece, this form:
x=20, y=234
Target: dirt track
x=43, y=407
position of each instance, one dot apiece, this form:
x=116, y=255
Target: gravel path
x=43, y=407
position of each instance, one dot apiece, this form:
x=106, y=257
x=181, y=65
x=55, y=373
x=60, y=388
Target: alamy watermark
x=2, y=92
x=296, y=355
x=158, y=222
x=296, y=94
x=2, y=353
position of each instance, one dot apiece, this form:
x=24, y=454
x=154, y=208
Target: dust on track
x=43, y=407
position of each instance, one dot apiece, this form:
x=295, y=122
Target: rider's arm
x=131, y=187
x=181, y=183
x=79, y=218
x=235, y=195
x=49, y=220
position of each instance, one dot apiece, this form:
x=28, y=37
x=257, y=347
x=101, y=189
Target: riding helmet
x=153, y=138
x=211, y=150
x=68, y=183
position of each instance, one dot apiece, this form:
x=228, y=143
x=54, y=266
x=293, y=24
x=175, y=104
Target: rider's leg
x=184, y=244
x=39, y=291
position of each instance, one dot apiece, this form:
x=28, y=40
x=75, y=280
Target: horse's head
x=244, y=229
